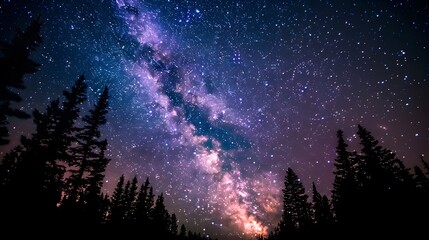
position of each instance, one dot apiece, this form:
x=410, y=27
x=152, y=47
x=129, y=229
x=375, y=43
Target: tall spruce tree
x=88, y=153
x=345, y=186
x=95, y=201
x=40, y=166
x=15, y=62
x=129, y=200
x=144, y=204
x=117, y=206
x=323, y=216
x=296, y=216
x=173, y=225
x=385, y=183
x=8, y=168
x=161, y=217
x=182, y=233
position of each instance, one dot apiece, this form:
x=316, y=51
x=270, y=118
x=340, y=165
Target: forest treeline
x=373, y=194
x=56, y=174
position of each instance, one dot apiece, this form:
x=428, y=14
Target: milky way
x=214, y=101
x=199, y=123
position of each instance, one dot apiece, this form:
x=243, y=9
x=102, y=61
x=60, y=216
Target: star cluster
x=215, y=100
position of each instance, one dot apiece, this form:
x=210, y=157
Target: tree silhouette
x=422, y=181
x=323, y=217
x=161, y=217
x=88, y=160
x=296, y=216
x=173, y=225
x=144, y=204
x=117, y=206
x=384, y=183
x=420, y=203
x=130, y=194
x=182, y=233
x=8, y=168
x=40, y=165
x=15, y=62
x=345, y=186
x=96, y=202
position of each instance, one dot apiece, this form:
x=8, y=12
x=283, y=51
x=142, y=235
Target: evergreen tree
x=161, y=217
x=296, y=209
x=144, y=204
x=41, y=164
x=345, y=186
x=420, y=203
x=96, y=202
x=88, y=163
x=422, y=181
x=323, y=216
x=8, y=168
x=173, y=225
x=15, y=62
x=182, y=233
x=117, y=208
x=129, y=200
x=425, y=165
x=89, y=151
x=384, y=183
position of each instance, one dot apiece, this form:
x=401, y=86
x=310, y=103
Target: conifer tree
x=88, y=154
x=41, y=164
x=15, y=62
x=345, y=186
x=422, y=181
x=144, y=203
x=8, y=168
x=117, y=208
x=323, y=216
x=161, y=217
x=182, y=233
x=129, y=199
x=173, y=225
x=96, y=202
x=296, y=209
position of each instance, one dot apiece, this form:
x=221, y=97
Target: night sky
x=214, y=100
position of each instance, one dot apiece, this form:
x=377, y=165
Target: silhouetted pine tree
x=88, y=149
x=130, y=194
x=8, y=168
x=41, y=164
x=345, y=185
x=323, y=217
x=15, y=62
x=144, y=204
x=385, y=184
x=117, y=205
x=425, y=165
x=173, y=225
x=96, y=203
x=88, y=156
x=161, y=217
x=296, y=218
x=182, y=233
x=421, y=200
x=422, y=181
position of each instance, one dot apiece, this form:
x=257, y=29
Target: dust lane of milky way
x=213, y=101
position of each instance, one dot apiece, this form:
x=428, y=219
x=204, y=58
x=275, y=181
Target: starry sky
x=214, y=100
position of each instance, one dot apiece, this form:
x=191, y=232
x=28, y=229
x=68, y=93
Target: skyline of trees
x=15, y=62
x=373, y=193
